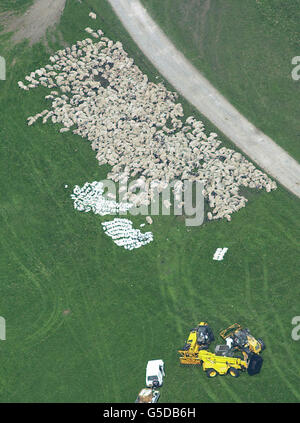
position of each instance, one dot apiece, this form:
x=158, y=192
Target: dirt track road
x=187, y=80
x=35, y=21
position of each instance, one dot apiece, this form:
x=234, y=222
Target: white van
x=155, y=373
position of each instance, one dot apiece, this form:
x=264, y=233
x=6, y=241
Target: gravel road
x=35, y=21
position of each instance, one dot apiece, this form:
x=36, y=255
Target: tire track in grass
x=146, y=334
x=85, y=352
x=30, y=275
x=145, y=326
x=284, y=232
x=99, y=356
x=149, y=312
x=49, y=326
x=46, y=328
x=198, y=372
x=170, y=293
x=269, y=238
x=24, y=268
x=190, y=292
x=146, y=339
x=187, y=282
x=167, y=292
x=277, y=319
x=31, y=341
x=251, y=82
x=252, y=311
x=225, y=381
x=103, y=351
x=79, y=343
x=260, y=325
x=208, y=303
x=173, y=315
x=49, y=189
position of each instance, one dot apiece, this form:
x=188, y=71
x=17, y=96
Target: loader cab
x=155, y=373
x=244, y=340
x=205, y=335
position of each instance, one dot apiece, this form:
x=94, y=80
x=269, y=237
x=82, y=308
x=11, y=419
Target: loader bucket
x=254, y=365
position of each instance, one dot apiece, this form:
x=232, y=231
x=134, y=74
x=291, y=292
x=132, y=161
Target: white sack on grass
x=219, y=254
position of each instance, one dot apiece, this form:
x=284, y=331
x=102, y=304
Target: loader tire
x=233, y=372
x=211, y=373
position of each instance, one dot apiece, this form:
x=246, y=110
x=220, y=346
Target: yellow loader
x=221, y=362
x=200, y=337
x=241, y=339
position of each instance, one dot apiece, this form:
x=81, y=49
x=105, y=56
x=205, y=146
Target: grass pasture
x=14, y=5
x=126, y=307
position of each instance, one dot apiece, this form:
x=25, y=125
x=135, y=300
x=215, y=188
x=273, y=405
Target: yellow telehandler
x=221, y=362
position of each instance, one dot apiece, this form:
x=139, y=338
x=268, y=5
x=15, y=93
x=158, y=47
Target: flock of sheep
x=137, y=127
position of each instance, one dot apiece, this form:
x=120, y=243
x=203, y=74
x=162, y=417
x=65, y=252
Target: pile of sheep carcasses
x=90, y=198
x=124, y=235
x=138, y=127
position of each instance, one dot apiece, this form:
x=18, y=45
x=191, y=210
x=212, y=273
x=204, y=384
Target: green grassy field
x=126, y=307
x=245, y=51
x=15, y=5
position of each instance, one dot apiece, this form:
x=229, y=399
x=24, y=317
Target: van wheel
x=233, y=372
x=211, y=373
